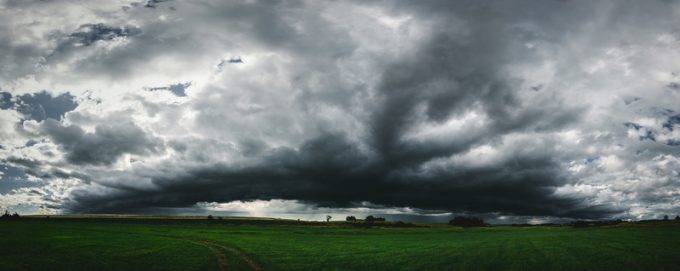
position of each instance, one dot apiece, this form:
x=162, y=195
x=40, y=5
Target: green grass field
x=238, y=244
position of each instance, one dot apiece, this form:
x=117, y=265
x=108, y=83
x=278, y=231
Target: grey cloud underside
x=104, y=146
x=330, y=171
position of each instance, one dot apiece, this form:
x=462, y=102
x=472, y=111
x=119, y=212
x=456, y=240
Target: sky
x=515, y=111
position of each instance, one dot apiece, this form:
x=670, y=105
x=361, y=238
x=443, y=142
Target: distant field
x=162, y=243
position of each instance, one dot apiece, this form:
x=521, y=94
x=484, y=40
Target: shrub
x=371, y=219
x=351, y=218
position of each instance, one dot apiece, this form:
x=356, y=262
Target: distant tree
x=469, y=221
x=665, y=217
x=210, y=217
x=371, y=219
x=328, y=218
x=351, y=218
x=677, y=217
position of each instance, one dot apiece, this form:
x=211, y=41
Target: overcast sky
x=511, y=110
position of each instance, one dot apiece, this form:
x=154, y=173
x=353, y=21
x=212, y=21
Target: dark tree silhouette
x=7, y=215
x=466, y=222
x=210, y=217
x=677, y=217
x=351, y=218
x=665, y=217
x=371, y=219
x=328, y=218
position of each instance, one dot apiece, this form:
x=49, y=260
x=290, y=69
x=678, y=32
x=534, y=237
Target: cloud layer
x=558, y=109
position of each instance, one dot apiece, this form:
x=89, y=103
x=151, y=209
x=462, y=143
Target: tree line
x=368, y=219
x=7, y=215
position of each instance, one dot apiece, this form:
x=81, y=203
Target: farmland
x=158, y=243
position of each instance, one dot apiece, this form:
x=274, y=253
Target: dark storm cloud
x=104, y=146
x=332, y=172
x=457, y=70
x=448, y=106
x=39, y=106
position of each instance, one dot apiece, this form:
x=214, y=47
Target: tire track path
x=222, y=262
x=251, y=263
x=220, y=251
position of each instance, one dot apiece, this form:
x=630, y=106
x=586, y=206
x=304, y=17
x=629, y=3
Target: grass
x=137, y=243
